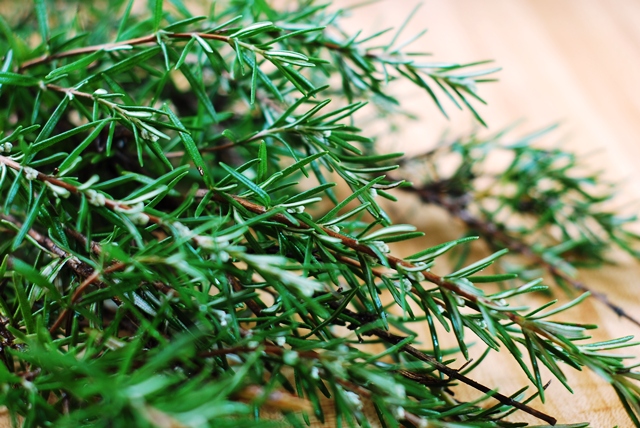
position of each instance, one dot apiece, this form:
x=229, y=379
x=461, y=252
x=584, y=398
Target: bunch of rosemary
x=191, y=230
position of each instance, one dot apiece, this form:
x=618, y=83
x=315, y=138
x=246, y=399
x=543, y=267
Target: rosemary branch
x=493, y=234
x=225, y=291
x=394, y=262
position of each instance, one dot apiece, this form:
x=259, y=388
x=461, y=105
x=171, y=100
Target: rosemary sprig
x=177, y=248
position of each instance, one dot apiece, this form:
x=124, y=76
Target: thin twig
x=237, y=286
x=415, y=420
x=279, y=351
x=152, y=38
x=455, y=374
x=81, y=268
x=77, y=294
x=394, y=339
x=493, y=233
x=255, y=137
x=176, y=154
x=393, y=261
x=109, y=203
x=96, y=249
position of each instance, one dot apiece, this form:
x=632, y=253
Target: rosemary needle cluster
x=166, y=263
x=539, y=205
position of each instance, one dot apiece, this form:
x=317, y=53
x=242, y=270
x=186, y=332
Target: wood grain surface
x=570, y=61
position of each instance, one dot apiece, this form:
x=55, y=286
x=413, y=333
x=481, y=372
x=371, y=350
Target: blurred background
x=571, y=62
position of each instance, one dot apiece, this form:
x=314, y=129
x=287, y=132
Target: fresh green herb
x=191, y=229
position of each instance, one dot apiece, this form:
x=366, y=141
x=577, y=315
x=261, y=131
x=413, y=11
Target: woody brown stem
x=150, y=39
x=237, y=286
x=395, y=262
x=109, y=203
x=455, y=374
x=494, y=234
x=77, y=294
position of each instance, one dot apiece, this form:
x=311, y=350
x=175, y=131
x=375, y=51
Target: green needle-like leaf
x=190, y=235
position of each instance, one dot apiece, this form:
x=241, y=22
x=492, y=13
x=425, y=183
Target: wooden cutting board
x=571, y=61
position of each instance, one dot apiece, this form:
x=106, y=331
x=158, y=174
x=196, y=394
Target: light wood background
x=571, y=61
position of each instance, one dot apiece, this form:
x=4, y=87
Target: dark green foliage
x=175, y=253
